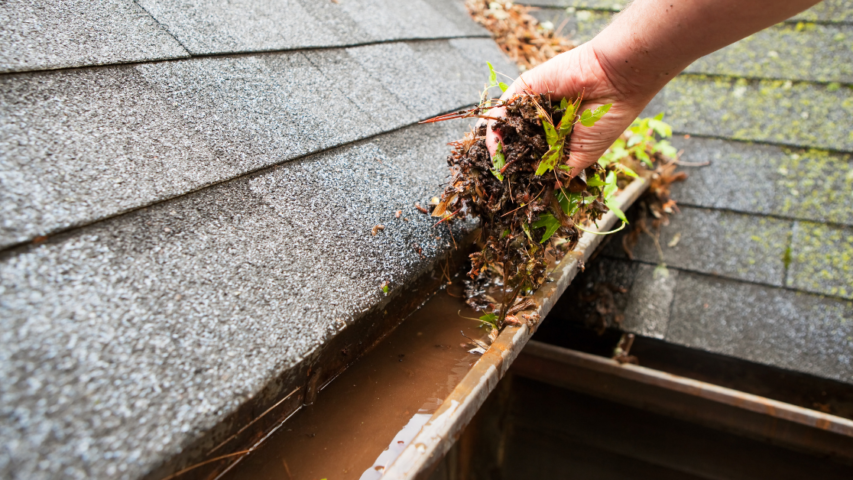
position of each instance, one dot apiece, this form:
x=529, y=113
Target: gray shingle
x=649, y=301
x=786, y=329
x=719, y=243
x=456, y=12
x=830, y=11
x=822, y=259
x=86, y=144
x=50, y=34
x=428, y=86
x=766, y=179
x=124, y=341
x=384, y=106
x=808, y=52
x=210, y=26
x=818, y=53
x=775, y=111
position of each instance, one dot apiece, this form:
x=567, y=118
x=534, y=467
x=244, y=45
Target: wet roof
x=188, y=192
x=760, y=259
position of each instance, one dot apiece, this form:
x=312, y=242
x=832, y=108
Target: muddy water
x=364, y=418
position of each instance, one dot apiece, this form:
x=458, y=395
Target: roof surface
x=760, y=259
x=188, y=192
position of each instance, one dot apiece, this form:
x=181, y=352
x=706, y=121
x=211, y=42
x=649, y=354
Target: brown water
x=364, y=418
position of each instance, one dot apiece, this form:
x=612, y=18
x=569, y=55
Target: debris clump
x=532, y=209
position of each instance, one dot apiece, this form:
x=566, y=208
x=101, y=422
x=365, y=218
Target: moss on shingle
x=785, y=112
x=803, y=51
x=822, y=259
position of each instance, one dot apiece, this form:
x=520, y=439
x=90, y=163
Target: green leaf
x=661, y=128
x=499, y=161
x=595, y=181
x=504, y=233
x=550, y=133
x=564, y=103
x=610, y=186
x=503, y=86
x=643, y=156
x=627, y=171
x=551, y=224
x=550, y=159
x=493, y=77
x=569, y=203
x=490, y=319
x=385, y=289
x=665, y=148
x=611, y=204
x=588, y=118
x=635, y=139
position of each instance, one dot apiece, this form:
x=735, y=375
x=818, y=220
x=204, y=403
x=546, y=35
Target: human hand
x=567, y=75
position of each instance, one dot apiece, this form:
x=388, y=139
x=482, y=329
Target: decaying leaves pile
x=517, y=33
x=531, y=210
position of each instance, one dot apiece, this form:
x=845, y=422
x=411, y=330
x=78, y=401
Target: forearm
x=653, y=40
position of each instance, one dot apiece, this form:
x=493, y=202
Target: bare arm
x=645, y=47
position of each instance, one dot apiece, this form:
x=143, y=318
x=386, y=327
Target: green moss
x=786, y=112
x=823, y=259
x=828, y=11
x=805, y=51
x=815, y=184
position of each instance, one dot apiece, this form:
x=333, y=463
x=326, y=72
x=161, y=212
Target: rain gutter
x=437, y=436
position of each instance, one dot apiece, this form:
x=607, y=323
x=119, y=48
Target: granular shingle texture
x=804, y=184
x=822, y=259
x=718, y=243
x=50, y=34
x=791, y=330
x=209, y=219
x=828, y=11
x=209, y=26
x=812, y=52
x=778, y=111
x=86, y=144
x=124, y=341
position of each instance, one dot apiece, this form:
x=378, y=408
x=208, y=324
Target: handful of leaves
x=531, y=209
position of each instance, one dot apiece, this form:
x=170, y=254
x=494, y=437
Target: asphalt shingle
x=784, y=112
x=767, y=179
x=822, y=259
x=87, y=144
x=827, y=11
x=718, y=243
x=209, y=26
x=124, y=341
x=811, y=52
x=51, y=34
x=786, y=329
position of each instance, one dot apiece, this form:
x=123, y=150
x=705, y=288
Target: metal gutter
x=457, y=410
x=692, y=400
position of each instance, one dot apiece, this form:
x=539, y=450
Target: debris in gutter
x=527, y=42
x=532, y=207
